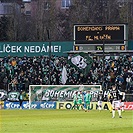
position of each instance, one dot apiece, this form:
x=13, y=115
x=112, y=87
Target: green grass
x=64, y=121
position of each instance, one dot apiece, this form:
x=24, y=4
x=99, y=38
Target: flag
x=113, y=64
x=81, y=61
x=64, y=75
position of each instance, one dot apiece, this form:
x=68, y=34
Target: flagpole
x=48, y=34
x=103, y=60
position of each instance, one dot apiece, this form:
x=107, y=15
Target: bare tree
x=60, y=22
x=46, y=19
x=126, y=15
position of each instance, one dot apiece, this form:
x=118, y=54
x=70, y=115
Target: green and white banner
x=60, y=92
x=34, y=48
x=3, y=94
x=13, y=96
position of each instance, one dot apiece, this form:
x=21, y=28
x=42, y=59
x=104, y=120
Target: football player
x=80, y=100
x=87, y=100
x=115, y=95
x=75, y=101
x=122, y=101
x=100, y=99
x=110, y=100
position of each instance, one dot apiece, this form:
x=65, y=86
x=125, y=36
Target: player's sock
x=111, y=109
x=82, y=107
x=113, y=113
x=88, y=107
x=119, y=112
x=85, y=106
x=100, y=108
x=79, y=107
x=122, y=108
x=71, y=107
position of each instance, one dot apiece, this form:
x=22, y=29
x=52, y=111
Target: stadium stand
x=18, y=73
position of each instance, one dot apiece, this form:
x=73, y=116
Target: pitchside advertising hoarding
x=53, y=97
x=31, y=49
x=25, y=105
x=93, y=105
x=57, y=105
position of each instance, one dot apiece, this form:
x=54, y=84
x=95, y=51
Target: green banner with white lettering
x=61, y=92
x=31, y=49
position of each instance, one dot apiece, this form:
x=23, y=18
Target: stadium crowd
x=17, y=73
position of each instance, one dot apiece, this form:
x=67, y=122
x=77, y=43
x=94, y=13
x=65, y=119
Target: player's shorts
x=87, y=102
x=99, y=103
x=79, y=102
x=121, y=103
x=75, y=102
x=116, y=104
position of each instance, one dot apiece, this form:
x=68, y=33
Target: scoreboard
x=95, y=34
x=92, y=37
x=99, y=48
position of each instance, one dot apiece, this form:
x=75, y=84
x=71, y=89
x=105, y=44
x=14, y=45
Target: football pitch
x=64, y=121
